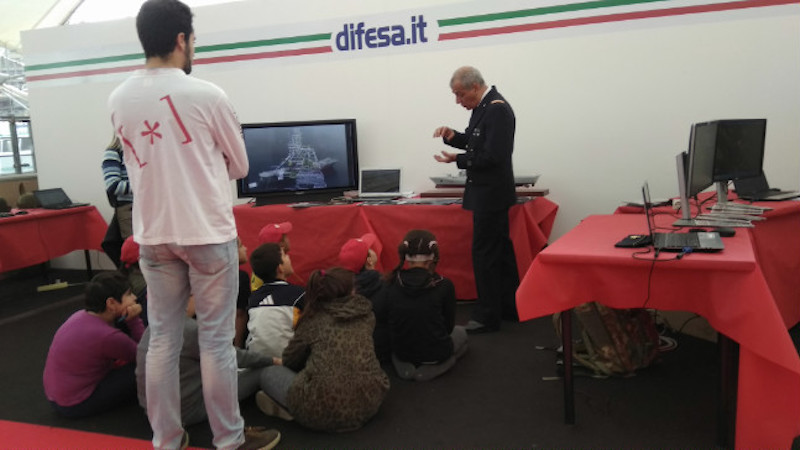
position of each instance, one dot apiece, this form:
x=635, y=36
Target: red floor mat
x=24, y=435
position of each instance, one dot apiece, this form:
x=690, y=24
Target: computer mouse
x=725, y=231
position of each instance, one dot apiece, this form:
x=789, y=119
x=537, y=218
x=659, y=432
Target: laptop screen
x=751, y=186
x=651, y=226
x=380, y=180
x=51, y=197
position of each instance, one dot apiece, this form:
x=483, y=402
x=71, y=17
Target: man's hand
x=446, y=132
x=445, y=157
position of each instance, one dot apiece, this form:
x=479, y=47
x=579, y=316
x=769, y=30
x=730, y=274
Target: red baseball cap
x=130, y=252
x=353, y=254
x=273, y=232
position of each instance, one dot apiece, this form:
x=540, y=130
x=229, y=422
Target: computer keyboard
x=730, y=216
x=701, y=222
x=677, y=240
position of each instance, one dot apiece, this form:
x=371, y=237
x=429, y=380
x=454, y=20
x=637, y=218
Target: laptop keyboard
x=677, y=240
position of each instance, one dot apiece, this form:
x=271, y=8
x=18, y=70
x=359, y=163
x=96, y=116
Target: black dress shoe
x=475, y=327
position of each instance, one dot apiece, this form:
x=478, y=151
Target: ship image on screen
x=301, y=169
x=299, y=161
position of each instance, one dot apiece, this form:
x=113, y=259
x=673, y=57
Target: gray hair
x=467, y=76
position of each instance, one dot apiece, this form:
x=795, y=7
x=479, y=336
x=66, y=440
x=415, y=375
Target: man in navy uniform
x=488, y=142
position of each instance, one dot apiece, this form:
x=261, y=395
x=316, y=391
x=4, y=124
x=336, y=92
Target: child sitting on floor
x=360, y=255
x=420, y=307
x=90, y=364
x=275, y=307
x=331, y=379
x=272, y=233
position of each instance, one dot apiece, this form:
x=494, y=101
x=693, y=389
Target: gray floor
x=495, y=397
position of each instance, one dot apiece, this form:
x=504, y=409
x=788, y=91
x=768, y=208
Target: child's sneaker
x=257, y=438
x=270, y=407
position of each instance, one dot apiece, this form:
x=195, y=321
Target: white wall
x=599, y=109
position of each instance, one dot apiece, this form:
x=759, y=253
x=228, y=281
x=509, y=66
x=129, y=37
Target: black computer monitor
x=696, y=167
x=702, y=146
x=719, y=151
x=739, y=148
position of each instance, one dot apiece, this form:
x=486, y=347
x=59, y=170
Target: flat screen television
x=311, y=161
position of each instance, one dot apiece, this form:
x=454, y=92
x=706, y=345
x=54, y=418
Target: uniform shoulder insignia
x=497, y=101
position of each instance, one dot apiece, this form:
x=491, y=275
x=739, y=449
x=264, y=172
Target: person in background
x=275, y=233
x=276, y=306
x=193, y=408
x=182, y=146
x=331, y=379
x=489, y=193
x=129, y=265
x=360, y=255
x=90, y=364
x=420, y=307
x=118, y=188
x=241, y=299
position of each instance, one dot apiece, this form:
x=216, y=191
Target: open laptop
x=757, y=189
x=696, y=241
x=380, y=184
x=55, y=198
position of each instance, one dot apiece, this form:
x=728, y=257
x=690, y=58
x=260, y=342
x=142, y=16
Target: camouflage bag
x=613, y=341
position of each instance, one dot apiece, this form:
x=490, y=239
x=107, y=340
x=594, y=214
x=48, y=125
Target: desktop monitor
x=695, y=168
x=739, y=148
x=700, y=169
x=719, y=151
x=299, y=161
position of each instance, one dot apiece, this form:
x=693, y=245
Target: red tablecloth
x=319, y=232
x=727, y=288
x=777, y=245
x=42, y=235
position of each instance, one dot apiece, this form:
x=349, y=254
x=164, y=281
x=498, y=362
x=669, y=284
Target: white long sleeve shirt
x=182, y=145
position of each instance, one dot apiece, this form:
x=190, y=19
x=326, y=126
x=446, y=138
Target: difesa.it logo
x=361, y=36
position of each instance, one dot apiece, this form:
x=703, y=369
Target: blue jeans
x=276, y=381
x=211, y=274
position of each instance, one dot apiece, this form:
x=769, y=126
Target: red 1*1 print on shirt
x=151, y=131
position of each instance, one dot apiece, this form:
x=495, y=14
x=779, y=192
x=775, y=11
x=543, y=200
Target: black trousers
x=117, y=388
x=495, y=267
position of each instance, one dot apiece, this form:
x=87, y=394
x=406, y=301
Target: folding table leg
x=89, y=273
x=728, y=390
x=569, y=387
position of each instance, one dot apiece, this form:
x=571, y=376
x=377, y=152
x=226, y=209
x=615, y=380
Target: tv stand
x=316, y=197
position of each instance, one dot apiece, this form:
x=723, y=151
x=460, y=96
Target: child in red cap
x=360, y=256
x=272, y=233
x=129, y=267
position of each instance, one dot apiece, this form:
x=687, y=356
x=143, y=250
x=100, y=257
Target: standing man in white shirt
x=182, y=145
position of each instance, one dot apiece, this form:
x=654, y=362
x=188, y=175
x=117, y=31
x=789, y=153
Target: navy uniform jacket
x=489, y=143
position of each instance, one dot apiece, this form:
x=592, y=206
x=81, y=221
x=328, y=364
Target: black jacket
x=420, y=309
x=489, y=143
